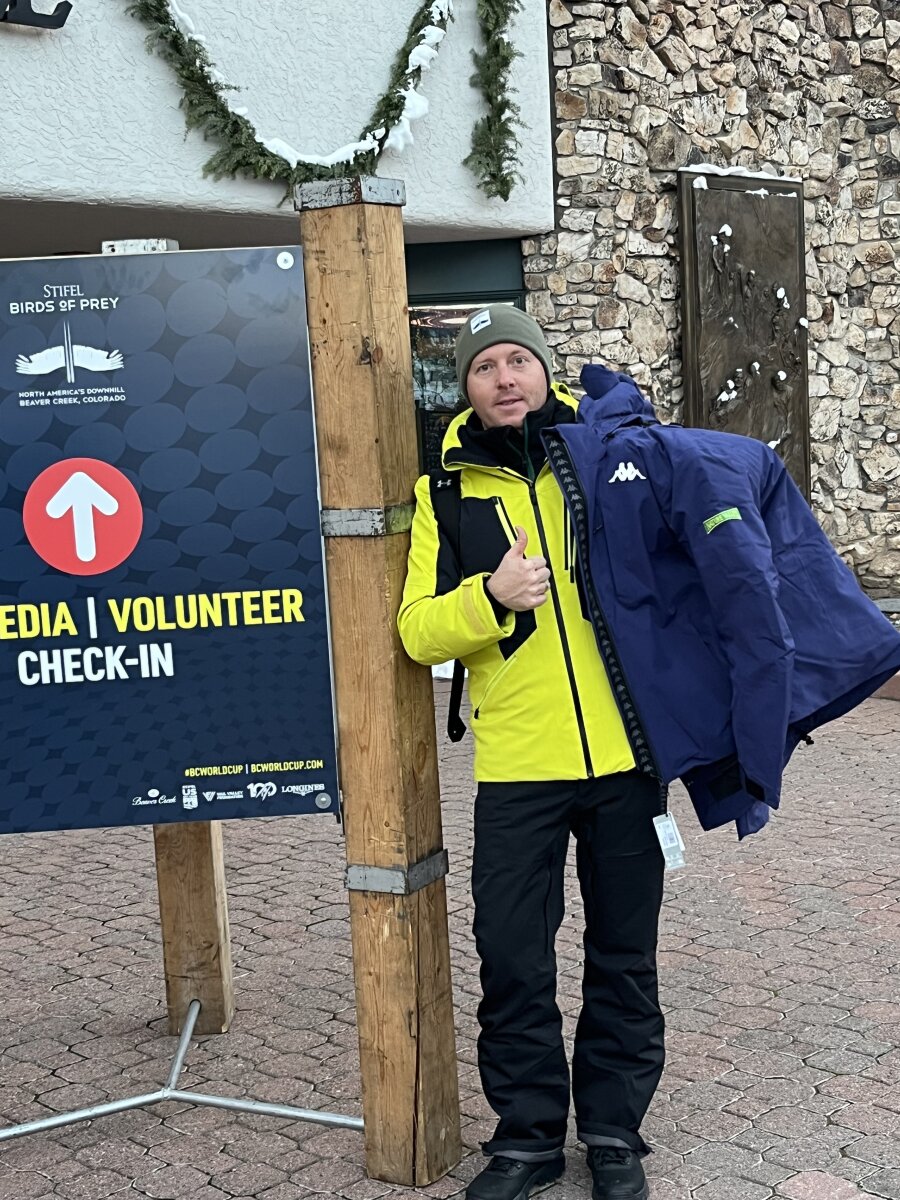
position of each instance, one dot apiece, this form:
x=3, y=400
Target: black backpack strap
x=456, y=726
x=446, y=500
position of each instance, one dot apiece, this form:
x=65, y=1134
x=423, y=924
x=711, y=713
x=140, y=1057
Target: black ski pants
x=521, y=838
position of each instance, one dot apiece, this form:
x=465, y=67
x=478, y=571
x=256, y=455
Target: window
x=446, y=283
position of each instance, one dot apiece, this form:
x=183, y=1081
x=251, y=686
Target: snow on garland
x=208, y=106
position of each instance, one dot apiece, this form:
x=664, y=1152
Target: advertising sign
x=164, y=646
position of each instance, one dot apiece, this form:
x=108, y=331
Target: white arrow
x=82, y=495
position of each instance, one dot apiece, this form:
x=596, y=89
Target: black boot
x=510, y=1179
x=617, y=1174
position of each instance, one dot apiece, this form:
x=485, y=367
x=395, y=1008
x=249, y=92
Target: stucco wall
x=90, y=116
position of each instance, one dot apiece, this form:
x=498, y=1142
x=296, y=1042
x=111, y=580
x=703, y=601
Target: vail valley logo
x=69, y=356
x=626, y=473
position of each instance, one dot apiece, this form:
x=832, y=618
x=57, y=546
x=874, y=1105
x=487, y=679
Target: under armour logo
x=626, y=473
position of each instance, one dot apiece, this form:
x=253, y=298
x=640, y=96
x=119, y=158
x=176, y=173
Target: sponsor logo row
x=191, y=798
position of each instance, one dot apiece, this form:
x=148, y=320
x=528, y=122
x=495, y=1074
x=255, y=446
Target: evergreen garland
x=494, y=143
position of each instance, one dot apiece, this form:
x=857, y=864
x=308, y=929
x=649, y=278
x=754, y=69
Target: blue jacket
x=737, y=626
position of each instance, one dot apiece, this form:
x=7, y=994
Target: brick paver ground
x=781, y=980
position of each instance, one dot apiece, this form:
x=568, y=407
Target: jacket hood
x=612, y=399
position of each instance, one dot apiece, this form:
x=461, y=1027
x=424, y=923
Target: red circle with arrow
x=82, y=516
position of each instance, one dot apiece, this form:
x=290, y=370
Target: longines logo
x=20, y=12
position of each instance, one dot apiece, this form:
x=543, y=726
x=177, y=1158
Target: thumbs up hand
x=520, y=583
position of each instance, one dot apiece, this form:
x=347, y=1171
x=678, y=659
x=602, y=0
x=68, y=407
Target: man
x=558, y=750
x=684, y=617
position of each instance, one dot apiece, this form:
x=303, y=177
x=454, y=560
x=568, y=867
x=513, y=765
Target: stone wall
x=809, y=90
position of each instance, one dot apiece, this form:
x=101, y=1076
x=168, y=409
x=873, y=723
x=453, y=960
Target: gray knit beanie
x=495, y=324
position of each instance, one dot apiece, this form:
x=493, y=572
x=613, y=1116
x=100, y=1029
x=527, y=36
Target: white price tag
x=670, y=840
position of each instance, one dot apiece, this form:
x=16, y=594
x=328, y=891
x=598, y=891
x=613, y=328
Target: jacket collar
x=468, y=443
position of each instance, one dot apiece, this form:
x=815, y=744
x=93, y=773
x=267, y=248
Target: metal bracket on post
x=360, y=189
x=367, y=522
x=139, y=246
x=20, y=12
x=398, y=881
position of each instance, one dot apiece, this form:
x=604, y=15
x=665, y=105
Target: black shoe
x=618, y=1174
x=509, y=1179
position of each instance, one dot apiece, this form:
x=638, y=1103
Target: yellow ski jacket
x=542, y=706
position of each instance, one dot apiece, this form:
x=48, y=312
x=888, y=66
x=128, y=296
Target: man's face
x=505, y=383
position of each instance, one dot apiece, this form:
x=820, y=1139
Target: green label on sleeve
x=729, y=514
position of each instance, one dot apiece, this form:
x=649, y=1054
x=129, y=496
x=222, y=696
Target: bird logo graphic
x=69, y=356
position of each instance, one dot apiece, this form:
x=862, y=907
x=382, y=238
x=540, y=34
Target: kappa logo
x=626, y=473
x=69, y=356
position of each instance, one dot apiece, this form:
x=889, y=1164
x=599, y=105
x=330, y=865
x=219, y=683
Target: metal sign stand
x=170, y=1091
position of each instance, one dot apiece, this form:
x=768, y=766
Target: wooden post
x=352, y=239
x=193, y=910
x=190, y=876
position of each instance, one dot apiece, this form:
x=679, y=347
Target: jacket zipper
x=503, y=518
x=558, y=457
x=567, y=653
x=495, y=678
x=529, y=479
x=557, y=607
